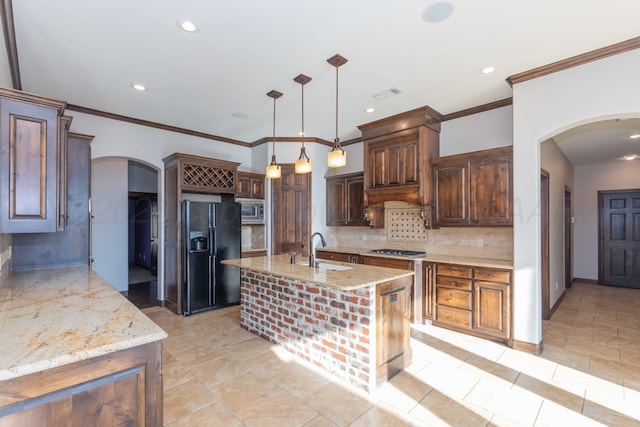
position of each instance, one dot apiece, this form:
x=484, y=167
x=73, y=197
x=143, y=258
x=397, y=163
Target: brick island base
x=359, y=335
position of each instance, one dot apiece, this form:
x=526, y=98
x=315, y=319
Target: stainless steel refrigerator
x=211, y=233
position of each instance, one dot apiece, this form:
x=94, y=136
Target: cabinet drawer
x=492, y=275
x=454, y=270
x=453, y=282
x=454, y=298
x=454, y=316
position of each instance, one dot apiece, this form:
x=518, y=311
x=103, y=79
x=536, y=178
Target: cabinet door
x=490, y=191
x=427, y=291
x=28, y=167
x=491, y=308
x=243, y=188
x=336, y=197
x=257, y=188
x=403, y=163
x=354, y=201
x=379, y=167
x=451, y=194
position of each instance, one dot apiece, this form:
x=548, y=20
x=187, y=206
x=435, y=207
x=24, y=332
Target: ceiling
x=89, y=53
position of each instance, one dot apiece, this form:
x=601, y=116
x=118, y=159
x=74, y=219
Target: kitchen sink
x=328, y=266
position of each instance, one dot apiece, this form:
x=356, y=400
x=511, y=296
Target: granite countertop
x=55, y=316
x=449, y=259
x=357, y=276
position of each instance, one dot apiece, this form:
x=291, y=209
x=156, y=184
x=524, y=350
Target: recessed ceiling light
x=138, y=86
x=634, y=136
x=487, y=70
x=438, y=12
x=187, y=26
x=240, y=115
x=370, y=110
x=630, y=157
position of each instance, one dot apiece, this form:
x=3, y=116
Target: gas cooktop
x=399, y=252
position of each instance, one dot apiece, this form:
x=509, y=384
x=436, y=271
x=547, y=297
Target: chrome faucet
x=312, y=255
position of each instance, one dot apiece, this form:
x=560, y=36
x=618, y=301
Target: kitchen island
x=350, y=320
x=73, y=351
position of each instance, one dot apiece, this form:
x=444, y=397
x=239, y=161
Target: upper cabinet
x=250, y=185
x=345, y=199
x=474, y=188
x=31, y=163
x=397, y=155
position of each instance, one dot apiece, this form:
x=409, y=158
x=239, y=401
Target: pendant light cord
x=303, y=135
x=336, y=140
x=273, y=139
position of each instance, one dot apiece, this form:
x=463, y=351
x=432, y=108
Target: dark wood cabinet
x=474, y=299
x=120, y=388
x=338, y=256
x=397, y=157
x=30, y=157
x=345, y=199
x=250, y=185
x=474, y=188
x=185, y=173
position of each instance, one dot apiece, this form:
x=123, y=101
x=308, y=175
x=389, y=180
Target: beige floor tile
x=383, y=415
x=339, y=403
x=530, y=364
x=513, y=403
x=243, y=391
x=593, y=348
x=185, y=399
x=482, y=368
x=552, y=415
x=552, y=391
x=453, y=383
x=248, y=348
x=175, y=374
x=608, y=416
x=613, y=371
x=438, y=409
x=565, y=357
x=320, y=421
x=300, y=381
x=403, y=392
x=277, y=409
x=211, y=415
x=626, y=332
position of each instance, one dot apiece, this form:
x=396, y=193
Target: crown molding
x=574, y=61
x=478, y=109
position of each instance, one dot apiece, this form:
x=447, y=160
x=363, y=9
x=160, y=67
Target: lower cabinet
x=474, y=299
x=121, y=388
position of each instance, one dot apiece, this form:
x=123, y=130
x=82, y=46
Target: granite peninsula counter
x=351, y=320
x=72, y=348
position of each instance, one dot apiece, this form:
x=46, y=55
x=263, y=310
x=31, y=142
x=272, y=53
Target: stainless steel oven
x=252, y=211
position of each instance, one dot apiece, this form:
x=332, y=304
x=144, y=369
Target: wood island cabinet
x=31, y=163
x=250, y=185
x=474, y=189
x=474, y=299
x=339, y=256
x=345, y=199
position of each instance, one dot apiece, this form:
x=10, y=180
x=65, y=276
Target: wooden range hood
x=397, y=157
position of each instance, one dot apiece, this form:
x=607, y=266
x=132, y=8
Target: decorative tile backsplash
x=407, y=224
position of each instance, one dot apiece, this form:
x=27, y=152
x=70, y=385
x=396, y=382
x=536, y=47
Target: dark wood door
x=290, y=199
x=619, y=249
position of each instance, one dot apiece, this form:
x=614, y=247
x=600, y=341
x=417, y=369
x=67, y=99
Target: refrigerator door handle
x=186, y=214
x=210, y=280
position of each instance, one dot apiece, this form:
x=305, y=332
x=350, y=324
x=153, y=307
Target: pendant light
x=337, y=156
x=303, y=164
x=273, y=170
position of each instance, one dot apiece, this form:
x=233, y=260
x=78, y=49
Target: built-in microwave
x=252, y=211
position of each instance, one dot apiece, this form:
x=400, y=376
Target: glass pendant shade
x=337, y=157
x=303, y=164
x=273, y=171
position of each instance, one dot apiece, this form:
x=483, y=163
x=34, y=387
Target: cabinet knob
x=453, y=282
x=451, y=317
x=451, y=298
x=477, y=288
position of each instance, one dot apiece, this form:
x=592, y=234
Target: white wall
x=542, y=108
x=589, y=179
x=489, y=129
x=142, y=178
x=561, y=176
x=109, y=207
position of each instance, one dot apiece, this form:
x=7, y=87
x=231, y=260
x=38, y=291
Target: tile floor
x=217, y=374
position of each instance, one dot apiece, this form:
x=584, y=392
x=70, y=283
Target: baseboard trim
x=528, y=347
x=557, y=304
x=589, y=281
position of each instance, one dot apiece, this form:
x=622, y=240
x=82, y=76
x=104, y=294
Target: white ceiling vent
x=387, y=93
